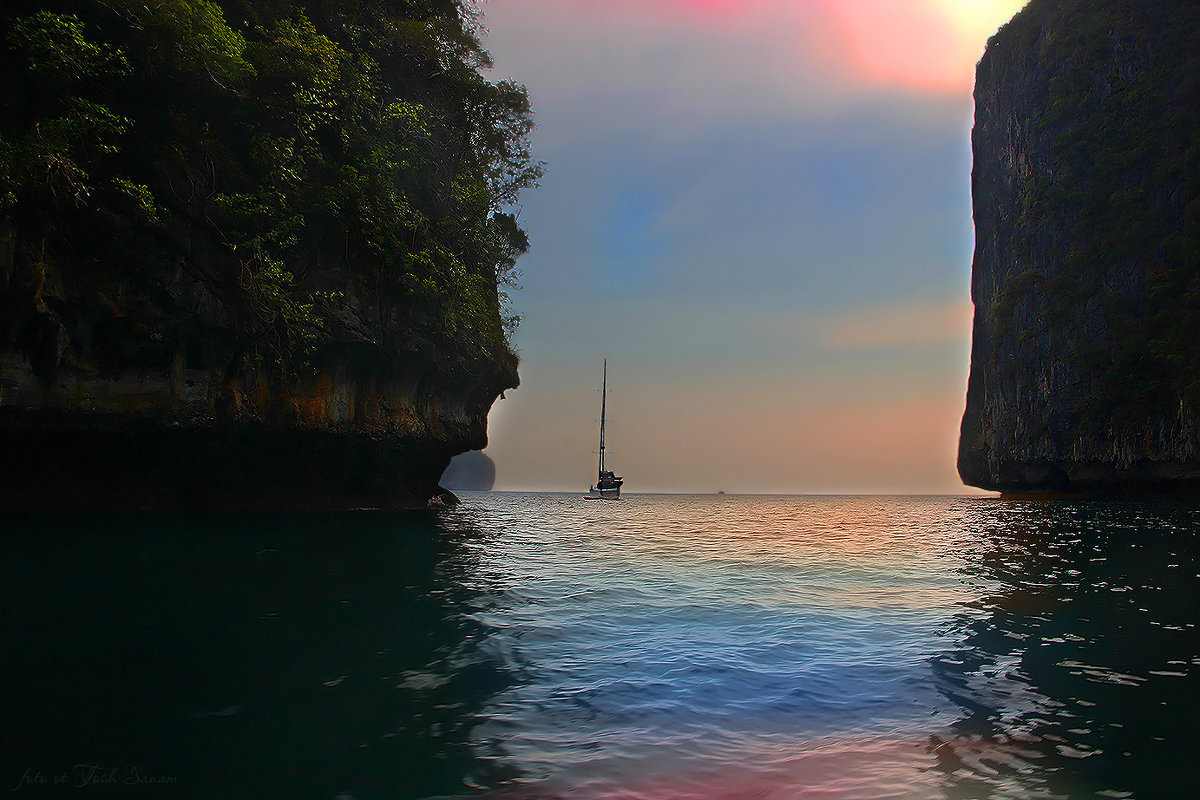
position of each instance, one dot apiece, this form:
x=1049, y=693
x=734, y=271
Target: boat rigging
x=608, y=483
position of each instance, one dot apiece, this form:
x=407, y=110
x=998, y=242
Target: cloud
x=671, y=59
x=929, y=45
x=801, y=57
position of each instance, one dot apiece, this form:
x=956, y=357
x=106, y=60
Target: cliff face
x=251, y=255
x=115, y=395
x=1085, y=368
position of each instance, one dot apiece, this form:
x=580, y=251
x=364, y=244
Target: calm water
x=536, y=646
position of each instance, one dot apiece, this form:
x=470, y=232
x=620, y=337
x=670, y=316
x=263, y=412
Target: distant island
x=473, y=472
x=252, y=255
x=1085, y=366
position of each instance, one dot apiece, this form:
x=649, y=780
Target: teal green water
x=535, y=646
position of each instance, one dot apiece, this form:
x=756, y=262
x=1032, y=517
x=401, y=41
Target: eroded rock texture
x=1085, y=365
x=113, y=395
x=251, y=255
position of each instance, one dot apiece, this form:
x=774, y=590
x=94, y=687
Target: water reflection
x=1076, y=673
x=243, y=655
x=688, y=648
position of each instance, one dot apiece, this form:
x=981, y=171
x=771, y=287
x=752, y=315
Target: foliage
x=71, y=133
x=311, y=157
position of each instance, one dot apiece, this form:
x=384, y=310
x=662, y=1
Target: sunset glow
x=929, y=44
x=759, y=212
x=979, y=17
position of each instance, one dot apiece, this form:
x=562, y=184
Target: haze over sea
x=666, y=647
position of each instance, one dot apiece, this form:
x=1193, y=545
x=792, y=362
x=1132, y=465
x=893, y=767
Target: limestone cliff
x=119, y=394
x=251, y=255
x=1085, y=364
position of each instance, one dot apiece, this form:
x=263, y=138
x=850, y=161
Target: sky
x=758, y=211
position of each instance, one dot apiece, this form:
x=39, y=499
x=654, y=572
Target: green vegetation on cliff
x=333, y=175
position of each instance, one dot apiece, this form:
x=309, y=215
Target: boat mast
x=603, y=400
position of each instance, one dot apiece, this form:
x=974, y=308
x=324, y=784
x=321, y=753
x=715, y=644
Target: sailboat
x=608, y=484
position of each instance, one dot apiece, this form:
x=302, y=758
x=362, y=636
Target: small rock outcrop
x=472, y=472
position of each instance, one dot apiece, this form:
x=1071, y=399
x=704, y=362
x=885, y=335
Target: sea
x=527, y=646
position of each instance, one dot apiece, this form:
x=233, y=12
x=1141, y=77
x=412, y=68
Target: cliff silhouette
x=1085, y=367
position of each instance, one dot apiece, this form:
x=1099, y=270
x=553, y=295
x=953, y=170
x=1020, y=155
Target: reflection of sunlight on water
x=833, y=770
x=681, y=646
x=782, y=541
x=713, y=647
x=901, y=766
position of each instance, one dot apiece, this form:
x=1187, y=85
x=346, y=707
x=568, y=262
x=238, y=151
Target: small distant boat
x=608, y=483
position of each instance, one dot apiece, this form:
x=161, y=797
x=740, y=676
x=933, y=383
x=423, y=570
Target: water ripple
x=709, y=647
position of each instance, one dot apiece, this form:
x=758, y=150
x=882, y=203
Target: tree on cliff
x=294, y=158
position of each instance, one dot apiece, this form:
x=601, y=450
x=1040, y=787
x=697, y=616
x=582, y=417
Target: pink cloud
x=926, y=45
x=930, y=45
x=907, y=44
x=724, y=9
